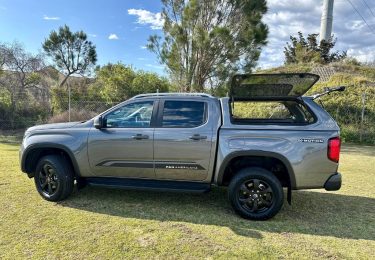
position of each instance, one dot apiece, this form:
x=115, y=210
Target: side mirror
x=98, y=122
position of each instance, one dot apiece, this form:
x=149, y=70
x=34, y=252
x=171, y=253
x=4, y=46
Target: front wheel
x=256, y=194
x=54, y=178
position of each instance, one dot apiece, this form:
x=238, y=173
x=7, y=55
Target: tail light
x=334, y=145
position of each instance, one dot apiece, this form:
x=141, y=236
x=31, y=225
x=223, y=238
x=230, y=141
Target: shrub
x=24, y=115
x=75, y=115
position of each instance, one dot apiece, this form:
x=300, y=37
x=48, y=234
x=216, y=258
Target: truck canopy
x=254, y=86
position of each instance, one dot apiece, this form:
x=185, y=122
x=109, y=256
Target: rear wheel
x=54, y=178
x=256, y=194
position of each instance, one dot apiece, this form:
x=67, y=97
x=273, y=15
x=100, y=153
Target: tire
x=255, y=194
x=54, y=178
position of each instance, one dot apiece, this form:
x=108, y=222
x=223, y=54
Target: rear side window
x=283, y=112
x=185, y=114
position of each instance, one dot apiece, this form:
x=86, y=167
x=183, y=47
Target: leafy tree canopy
x=302, y=50
x=206, y=41
x=118, y=82
x=22, y=70
x=71, y=52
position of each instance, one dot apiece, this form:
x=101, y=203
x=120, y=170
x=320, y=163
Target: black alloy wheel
x=255, y=195
x=48, y=180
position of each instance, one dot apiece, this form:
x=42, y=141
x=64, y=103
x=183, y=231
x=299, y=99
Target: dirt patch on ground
x=147, y=240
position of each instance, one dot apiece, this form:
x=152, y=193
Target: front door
x=124, y=146
x=183, y=140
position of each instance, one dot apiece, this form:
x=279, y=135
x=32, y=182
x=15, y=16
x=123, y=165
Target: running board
x=144, y=184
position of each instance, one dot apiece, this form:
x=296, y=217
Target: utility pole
x=327, y=19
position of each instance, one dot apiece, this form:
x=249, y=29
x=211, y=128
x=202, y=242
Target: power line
x=368, y=7
x=372, y=30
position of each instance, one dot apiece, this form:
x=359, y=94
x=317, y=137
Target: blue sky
x=120, y=29
x=30, y=22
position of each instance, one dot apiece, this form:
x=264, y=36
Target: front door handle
x=140, y=137
x=198, y=137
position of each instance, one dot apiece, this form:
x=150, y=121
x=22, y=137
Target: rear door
x=183, y=140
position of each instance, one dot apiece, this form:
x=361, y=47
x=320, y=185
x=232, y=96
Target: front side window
x=183, y=114
x=132, y=115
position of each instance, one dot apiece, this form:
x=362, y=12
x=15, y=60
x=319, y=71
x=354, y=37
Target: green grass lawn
x=105, y=223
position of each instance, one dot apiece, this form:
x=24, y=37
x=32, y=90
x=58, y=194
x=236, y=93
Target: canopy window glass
x=271, y=85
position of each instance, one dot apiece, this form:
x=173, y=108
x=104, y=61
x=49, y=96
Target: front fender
x=32, y=148
x=73, y=144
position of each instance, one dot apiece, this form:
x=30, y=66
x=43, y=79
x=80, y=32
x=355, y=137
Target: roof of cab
x=173, y=94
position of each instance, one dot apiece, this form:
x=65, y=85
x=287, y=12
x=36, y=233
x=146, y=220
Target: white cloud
x=92, y=35
x=363, y=55
x=286, y=18
x=113, y=36
x=136, y=28
x=159, y=67
x=143, y=47
x=355, y=25
x=142, y=59
x=154, y=20
x=45, y=17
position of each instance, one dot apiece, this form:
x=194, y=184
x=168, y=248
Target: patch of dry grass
x=75, y=115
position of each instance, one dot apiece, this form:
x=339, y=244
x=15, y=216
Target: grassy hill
x=346, y=107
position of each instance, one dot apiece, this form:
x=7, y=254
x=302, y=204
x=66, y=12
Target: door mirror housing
x=98, y=122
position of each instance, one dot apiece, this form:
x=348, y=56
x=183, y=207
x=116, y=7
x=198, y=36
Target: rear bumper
x=333, y=182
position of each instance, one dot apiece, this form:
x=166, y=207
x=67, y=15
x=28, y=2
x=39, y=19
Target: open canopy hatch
x=255, y=86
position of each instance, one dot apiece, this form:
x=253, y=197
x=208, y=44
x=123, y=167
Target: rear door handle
x=198, y=137
x=140, y=137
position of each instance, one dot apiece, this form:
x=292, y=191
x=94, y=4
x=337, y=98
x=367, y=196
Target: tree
x=302, y=50
x=71, y=52
x=147, y=82
x=2, y=60
x=207, y=41
x=23, y=70
x=22, y=67
x=117, y=82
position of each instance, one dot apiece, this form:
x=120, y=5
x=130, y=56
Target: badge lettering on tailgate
x=311, y=140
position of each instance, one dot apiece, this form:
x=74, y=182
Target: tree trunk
x=64, y=80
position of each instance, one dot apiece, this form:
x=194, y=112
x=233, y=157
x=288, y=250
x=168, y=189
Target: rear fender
x=235, y=154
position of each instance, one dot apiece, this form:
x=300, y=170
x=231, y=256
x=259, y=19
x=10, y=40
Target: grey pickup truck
x=263, y=137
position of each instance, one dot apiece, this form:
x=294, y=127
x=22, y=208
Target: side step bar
x=144, y=184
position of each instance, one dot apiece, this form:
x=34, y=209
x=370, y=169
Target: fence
x=355, y=115
x=28, y=111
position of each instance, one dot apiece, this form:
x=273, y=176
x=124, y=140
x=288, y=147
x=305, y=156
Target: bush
x=24, y=115
x=75, y=115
